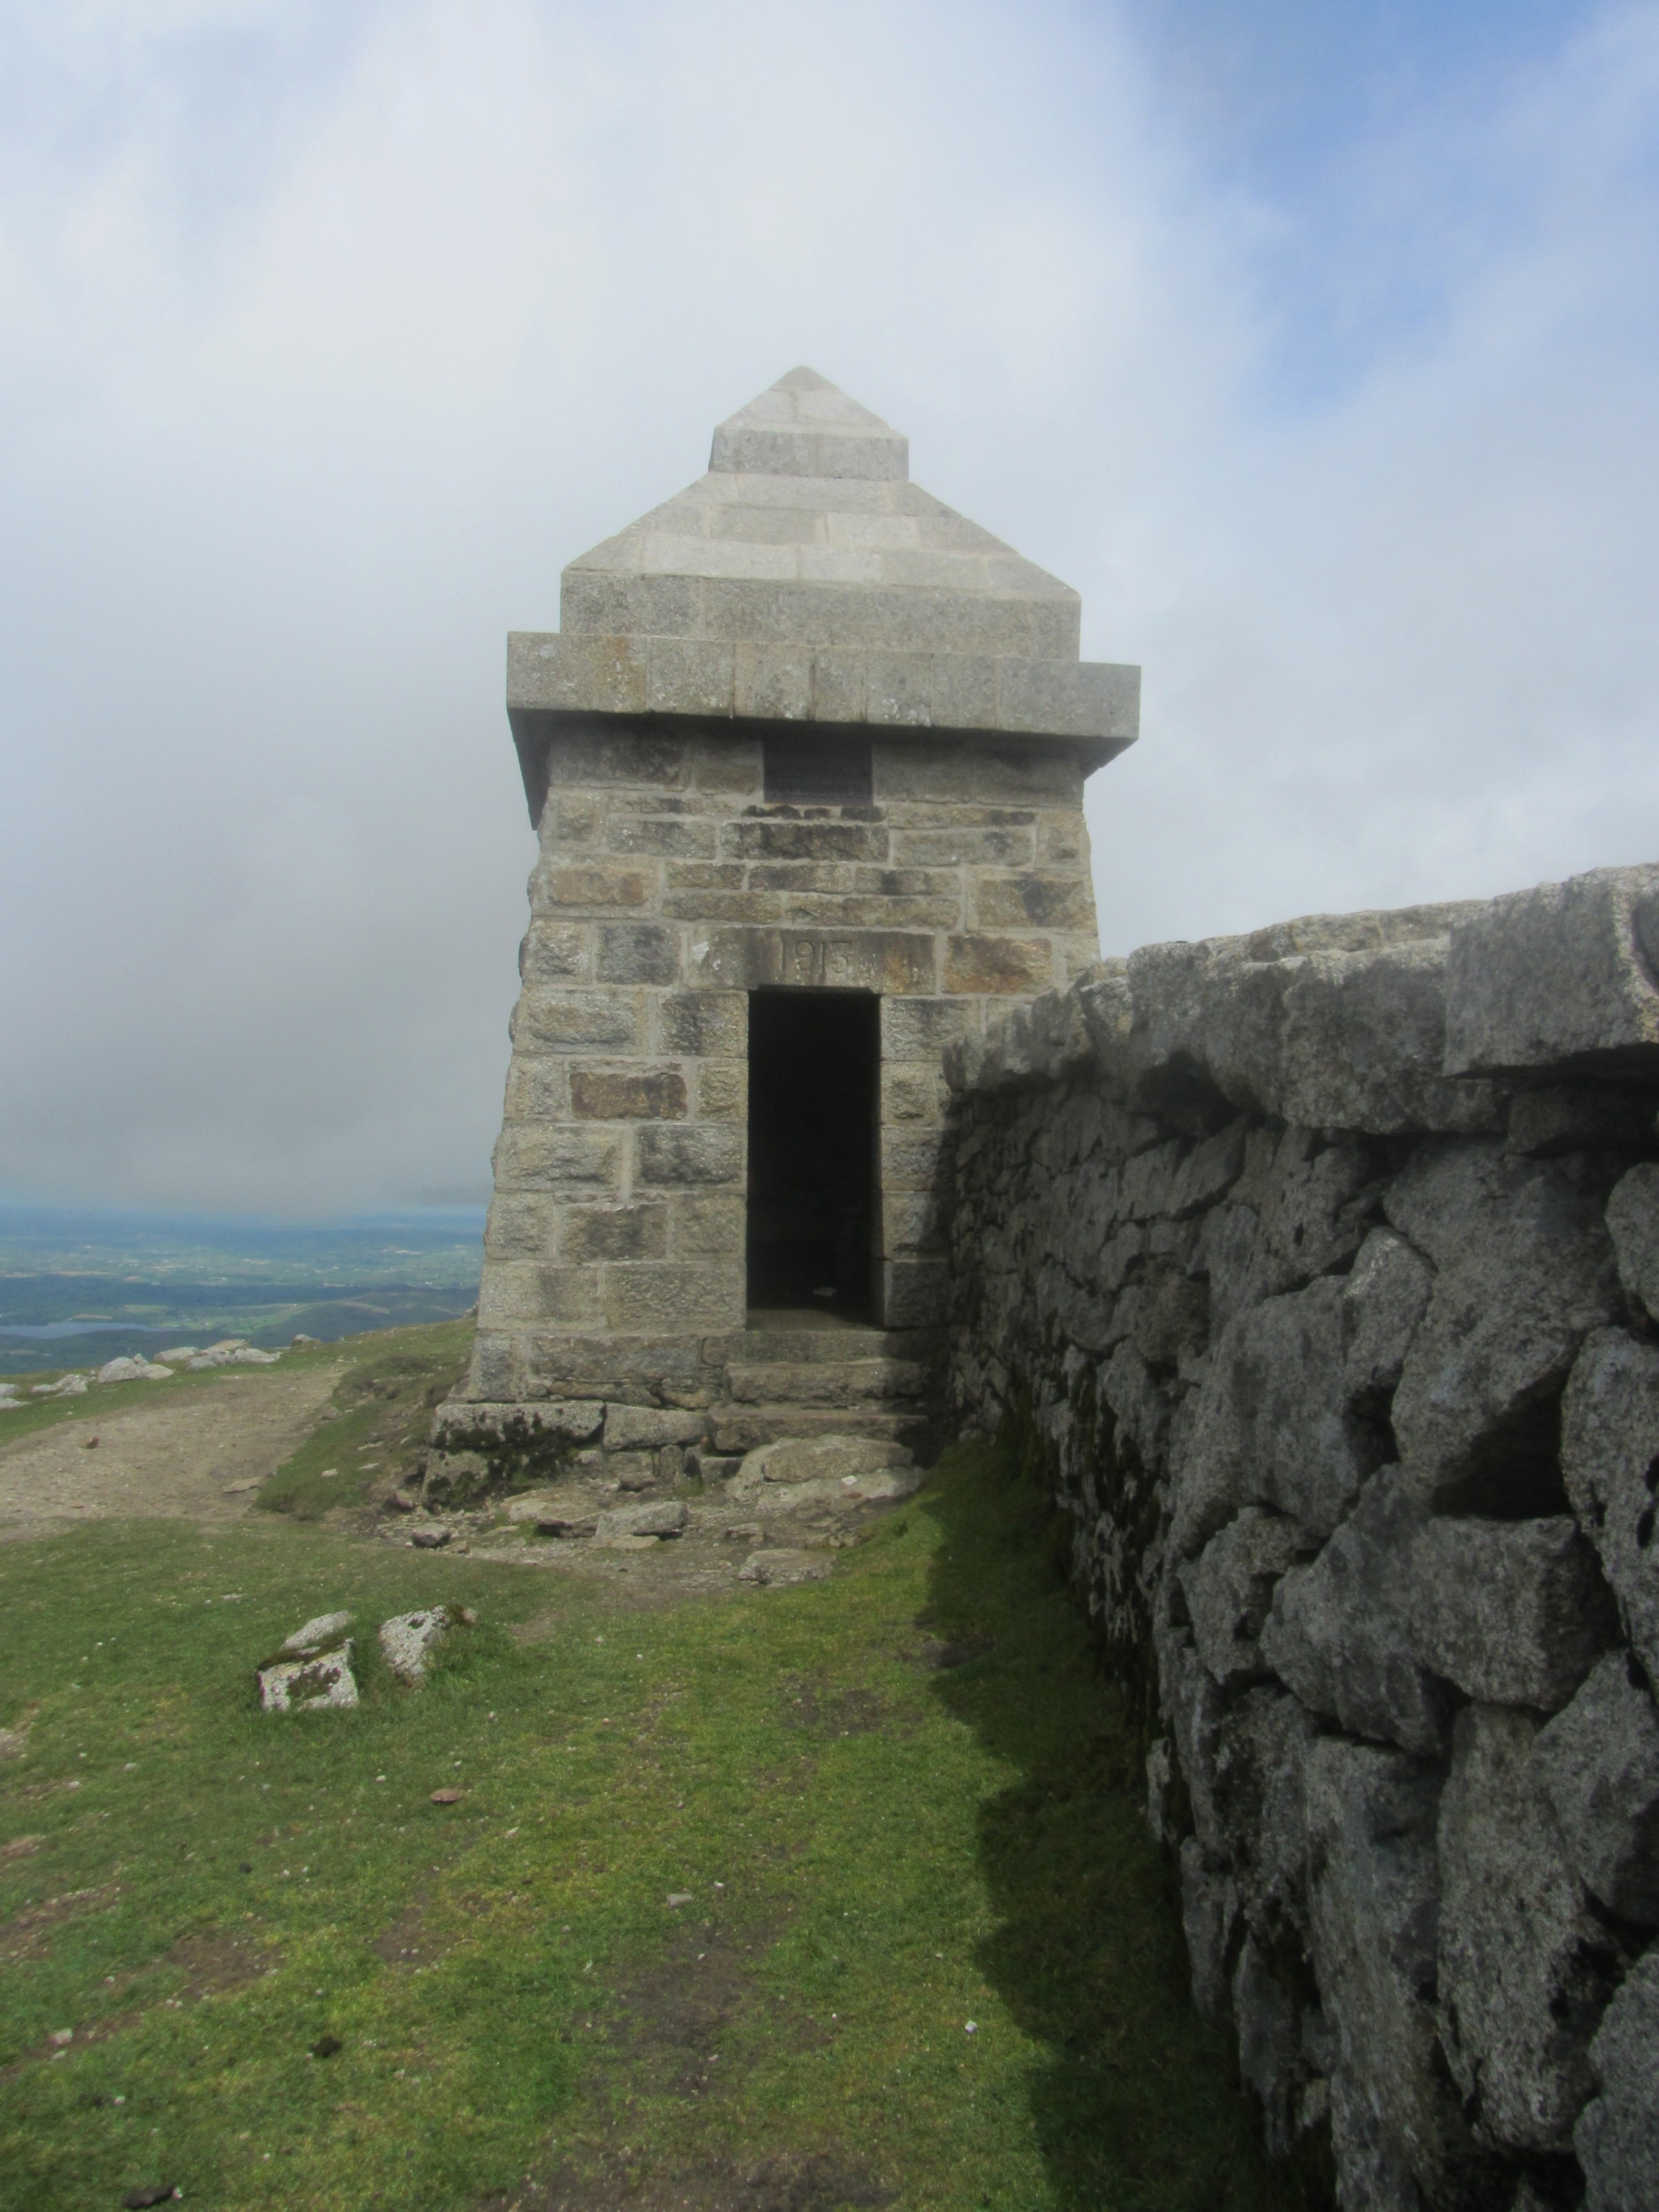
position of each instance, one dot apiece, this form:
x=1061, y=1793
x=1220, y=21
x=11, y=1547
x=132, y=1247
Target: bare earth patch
x=172, y=1461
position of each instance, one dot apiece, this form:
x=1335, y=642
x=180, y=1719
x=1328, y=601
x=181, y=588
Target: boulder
x=1339, y=1632
x=1513, y=1611
x=1525, y=1971
x=1271, y=1425
x=1209, y=1915
x=133, y=1371
x=1609, y=1452
x=1633, y=1224
x=67, y=1386
x=180, y=1353
x=1524, y=1271
x=567, y=1526
x=811, y=1458
x=784, y=1566
x=430, y=1539
x=1228, y=1589
x=1598, y=1761
x=1561, y=974
x=409, y=1640
x=453, y=1479
x=311, y=1670
x=1373, y=1903
x=1617, y=2138
x=1265, y=1742
x=530, y=1505
x=667, y=1517
x=325, y=1633
x=1384, y=1302
x=1268, y=2019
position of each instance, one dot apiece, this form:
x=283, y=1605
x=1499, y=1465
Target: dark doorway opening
x=814, y=1078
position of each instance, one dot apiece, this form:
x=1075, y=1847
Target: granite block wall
x=1318, y=1272
x=668, y=889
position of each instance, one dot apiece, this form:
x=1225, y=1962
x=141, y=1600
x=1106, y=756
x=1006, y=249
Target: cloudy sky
x=1316, y=344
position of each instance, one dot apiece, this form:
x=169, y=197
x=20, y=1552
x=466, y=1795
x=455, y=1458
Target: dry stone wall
x=1319, y=1270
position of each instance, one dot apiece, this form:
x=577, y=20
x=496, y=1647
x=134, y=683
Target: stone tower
x=806, y=759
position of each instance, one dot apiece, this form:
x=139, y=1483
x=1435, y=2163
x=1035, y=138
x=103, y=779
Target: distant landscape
x=79, y=1285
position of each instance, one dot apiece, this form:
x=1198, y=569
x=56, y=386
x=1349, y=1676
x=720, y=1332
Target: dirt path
x=198, y=1456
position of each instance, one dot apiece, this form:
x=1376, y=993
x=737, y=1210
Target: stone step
x=745, y=1428
x=823, y=1383
x=794, y=1347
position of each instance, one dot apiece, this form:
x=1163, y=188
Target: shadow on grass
x=1137, y=2106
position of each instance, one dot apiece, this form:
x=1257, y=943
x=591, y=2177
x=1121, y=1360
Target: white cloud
x=333, y=334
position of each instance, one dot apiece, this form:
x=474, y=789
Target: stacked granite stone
x=1321, y=1267
x=803, y=594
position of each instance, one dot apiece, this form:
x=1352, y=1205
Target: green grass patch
x=378, y=1422
x=895, y=1802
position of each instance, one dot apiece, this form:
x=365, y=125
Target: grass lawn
x=895, y=1802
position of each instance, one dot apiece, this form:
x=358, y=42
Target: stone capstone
x=1561, y=975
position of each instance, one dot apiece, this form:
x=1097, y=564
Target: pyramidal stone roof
x=804, y=578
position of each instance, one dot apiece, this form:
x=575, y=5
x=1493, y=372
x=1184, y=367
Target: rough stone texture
x=1617, y=2139
x=1513, y=1613
x=1336, y=1352
x=1525, y=1971
x=409, y=1642
x=1633, y=1220
x=784, y=1566
x=1610, y=1458
x=310, y=1685
x=1229, y=1589
x=666, y=1518
x=1340, y=1632
x=1373, y=1904
x=1558, y=976
x=1524, y=1271
x=832, y=1458
x=1598, y=1761
x=804, y=580
x=325, y=1633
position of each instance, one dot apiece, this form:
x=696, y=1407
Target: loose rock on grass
x=409, y=1640
x=311, y=1670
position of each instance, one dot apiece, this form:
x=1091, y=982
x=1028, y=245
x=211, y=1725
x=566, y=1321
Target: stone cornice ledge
x=548, y=672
